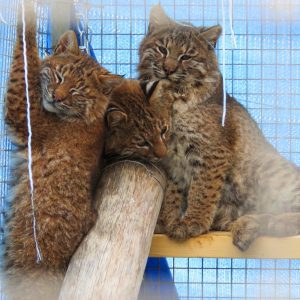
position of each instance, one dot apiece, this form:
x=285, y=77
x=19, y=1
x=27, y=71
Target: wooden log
x=110, y=262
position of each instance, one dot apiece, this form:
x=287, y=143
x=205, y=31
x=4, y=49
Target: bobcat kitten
x=220, y=178
x=67, y=119
x=134, y=129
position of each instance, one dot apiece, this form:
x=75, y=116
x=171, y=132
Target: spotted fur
x=134, y=128
x=67, y=118
x=220, y=178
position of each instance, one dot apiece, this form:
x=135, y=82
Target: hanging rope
x=2, y=20
x=233, y=39
x=84, y=30
x=38, y=251
x=223, y=65
x=224, y=52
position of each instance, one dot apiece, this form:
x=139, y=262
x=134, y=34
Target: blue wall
x=262, y=73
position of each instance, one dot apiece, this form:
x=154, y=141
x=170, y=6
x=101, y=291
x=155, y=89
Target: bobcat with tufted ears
x=220, y=178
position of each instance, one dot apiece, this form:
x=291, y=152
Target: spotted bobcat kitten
x=67, y=119
x=135, y=130
x=220, y=178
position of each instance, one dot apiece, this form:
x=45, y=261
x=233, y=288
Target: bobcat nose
x=58, y=96
x=170, y=67
x=160, y=150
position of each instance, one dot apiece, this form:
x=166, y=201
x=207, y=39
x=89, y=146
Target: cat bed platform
x=219, y=245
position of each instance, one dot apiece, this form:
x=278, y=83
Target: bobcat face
x=135, y=128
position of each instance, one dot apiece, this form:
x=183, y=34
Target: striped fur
x=67, y=115
x=135, y=129
x=221, y=178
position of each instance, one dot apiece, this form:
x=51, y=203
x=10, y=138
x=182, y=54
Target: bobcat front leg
x=203, y=197
x=15, y=104
x=171, y=209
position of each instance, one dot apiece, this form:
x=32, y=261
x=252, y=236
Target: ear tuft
x=149, y=87
x=67, y=44
x=115, y=117
x=109, y=82
x=158, y=18
x=212, y=34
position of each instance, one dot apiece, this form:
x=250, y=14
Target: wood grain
x=110, y=262
x=219, y=245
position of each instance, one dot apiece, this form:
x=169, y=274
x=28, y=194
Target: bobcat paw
x=177, y=231
x=244, y=231
x=196, y=230
x=183, y=230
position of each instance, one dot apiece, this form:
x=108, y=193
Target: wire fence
x=216, y=278
x=262, y=72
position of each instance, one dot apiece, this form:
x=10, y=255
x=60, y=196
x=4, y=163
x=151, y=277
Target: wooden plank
x=110, y=262
x=219, y=244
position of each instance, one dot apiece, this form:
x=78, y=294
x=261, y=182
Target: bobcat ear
x=149, y=87
x=67, y=44
x=108, y=82
x=158, y=18
x=212, y=34
x=115, y=117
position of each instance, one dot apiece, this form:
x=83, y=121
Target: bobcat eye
x=164, y=130
x=162, y=50
x=144, y=144
x=59, y=78
x=185, y=57
x=73, y=91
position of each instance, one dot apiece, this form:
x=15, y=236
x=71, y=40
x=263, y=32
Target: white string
x=223, y=65
x=86, y=29
x=38, y=251
x=233, y=39
x=85, y=36
x=2, y=20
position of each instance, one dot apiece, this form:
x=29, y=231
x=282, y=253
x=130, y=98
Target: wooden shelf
x=219, y=244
